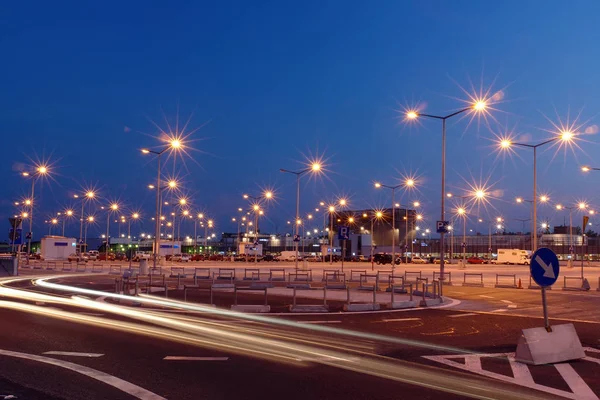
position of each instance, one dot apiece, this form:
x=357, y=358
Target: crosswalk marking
x=522, y=374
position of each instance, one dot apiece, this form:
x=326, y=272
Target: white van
x=512, y=256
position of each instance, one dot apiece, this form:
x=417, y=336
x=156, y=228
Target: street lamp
x=174, y=145
x=506, y=144
x=580, y=206
x=407, y=184
x=377, y=216
x=38, y=172
x=314, y=168
x=462, y=213
x=114, y=207
x=68, y=214
x=479, y=105
x=266, y=195
x=134, y=217
x=89, y=195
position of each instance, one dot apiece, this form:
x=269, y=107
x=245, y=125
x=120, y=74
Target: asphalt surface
x=364, y=345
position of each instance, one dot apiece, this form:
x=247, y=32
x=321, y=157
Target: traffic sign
x=343, y=233
x=15, y=236
x=28, y=235
x=15, y=222
x=442, y=226
x=544, y=267
x=296, y=238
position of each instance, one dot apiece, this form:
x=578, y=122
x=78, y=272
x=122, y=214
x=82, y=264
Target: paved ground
x=373, y=355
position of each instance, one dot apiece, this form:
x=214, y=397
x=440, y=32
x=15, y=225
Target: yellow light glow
x=343, y=202
x=172, y=184
x=544, y=198
x=566, y=136
x=412, y=115
x=135, y=216
x=351, y=220
x=582, y=206
x=90, y=194
x=365, y=215
x=585, y=169
x=505, y=144
x=42, y=169
x=145, y=151
x=150, y=186
x=519, y=200
x=256, y=207
x=480, y=105
x=176, y=143
x=331, y=209
x=377, y=185
x=379, y=214
x=480, y=194
x=114, y=206
x=28, y=202
x=410, y=182
x=183, y=201
x=54, y=221
x=200, y=216
x=268, y=194
x=592, y=212
x=186, y=212
x=461, y=211
x=499, y=219
x=416, y=204
x=419, y=217
x=90, y=219
x=316, y=167
x=69, y=213
x=322, y=203
x=449, y=195
x=210, y=222
x=559, y=207
x=25, y=215
x=25, y=174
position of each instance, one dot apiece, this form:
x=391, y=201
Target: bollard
x=374, y=296
x=423, y=292
x=348, y=295
x=294, y=300
x=325, y=295
x=411, y=291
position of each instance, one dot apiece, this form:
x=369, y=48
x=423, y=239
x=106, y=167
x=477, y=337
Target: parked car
x=360, y=258
x=405, y=259
x=216, y=257
x=121, y=256
x=93, y=254
x=142, y=255
x=198, y=257
x=418, y=260
x=180, y=258
x=313, y=259
x=269, y=258
x=103, y=257
x=475, y=260
x=74, y=257
x=239, y=258
x=384, y=258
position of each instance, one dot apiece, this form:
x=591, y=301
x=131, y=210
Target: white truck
x=512, y=256
x=290, y=256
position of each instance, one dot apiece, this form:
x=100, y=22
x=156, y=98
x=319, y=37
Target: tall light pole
x=134, y=217
x=40, y=171
x=489, y=239
x=256, y=208
x=462, y=212
x=52, y=222
x=543, y=199
x=113, y=208
x=90, y=220
x=313, y=168
x=330, y=236
x=478, y=106
x=581, y=206
x=505, y=144
x=88, y=196
x=67, y=214
x=377, y=215
x=174, y=145
x=408, y=183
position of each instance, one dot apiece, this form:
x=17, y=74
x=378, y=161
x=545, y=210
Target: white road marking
x=577, y=385
x=512, y=306
x=398, y=320
x=486, y=297
x=506, y=301
x=124, y=386
x=319, y=322
x=73, y=353
x=522, y=374
x=499, y=310
x=184, y=358
x=462, y=315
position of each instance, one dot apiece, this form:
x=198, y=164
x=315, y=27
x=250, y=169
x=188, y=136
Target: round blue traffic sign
x=544, y=267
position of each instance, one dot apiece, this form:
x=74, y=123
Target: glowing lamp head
x=315, y=167
x=505, y=143
x=90, y=219
x=544, y=198
x=416, y=204
x=256, y=207
x=519, y=200
x=54, y=221
x=499, y=226
x=582, y=206
x=379, y=214
x=449, y=195
x=480, y=194
x=25, y=173
x=377, y=185
x=499, y=219
x=268, y=194
x=90, y=194
x=331, y=209
x=412, y=115
x=172, y=184
x=145, y=151
x=69, y=213
x=183, y=201
x=245, y=196
x=559, y=207
x=566, y=136
x=365, y=215
x=114, y=206
x=585, y=168
x=42, y=169
x=25, y=215
x=200, y=216
x=351, y=220
x=135, y=216
x=28, y=202
x=461, y=211
x=343, y=202
x=419, y=217
x=410, y=182
x=186, y=212
x=175, y=143
x=298, y=222
x=480, y=105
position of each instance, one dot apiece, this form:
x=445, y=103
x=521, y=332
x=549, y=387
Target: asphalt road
x=354, y=356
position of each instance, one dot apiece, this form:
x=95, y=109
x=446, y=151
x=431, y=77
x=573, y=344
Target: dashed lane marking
x=124, y=386
x=499, y=310
x=73, y=354
x=522, y=374
x=512, y=306
x=486, y=297
x=462, y=315
x=506, y=301
x=319, y=322
x=398, y=320
x=184, y=358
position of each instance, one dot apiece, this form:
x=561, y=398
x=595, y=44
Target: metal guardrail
x=355, y=274
x=471, y=283
x=277, y=275
x=225, y=273
x=335, y=281
x=253, y=276
x=533, y=285
x=178, y=272
x=114, y=270
x=567, y=285
x=80, y=267
x=506, y=281
x=364, y=279
x=413, y=274
x=97, y=268
x=331, y=271
x=237, y=289
x=324, y=289
x=402, y=290
x=201, y=273
x=446, y=279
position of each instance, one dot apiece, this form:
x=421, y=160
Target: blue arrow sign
x=544, y=267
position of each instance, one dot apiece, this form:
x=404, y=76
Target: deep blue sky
x=276, y=80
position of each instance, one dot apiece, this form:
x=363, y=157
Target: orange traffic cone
x=519, y=287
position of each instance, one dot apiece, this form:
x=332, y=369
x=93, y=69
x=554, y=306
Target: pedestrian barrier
x=124, y=285
x=533, y=285
x=80, y=267
x=309, y=307
x=225, y=273
x=362, y=306
x=133, y=272
x=384, y=274
x=331, y=271
x=155, y=271
x=305, y=276
x=178, y=272
x=365, y=279
x=201, y=273
x=506, y=281
x=276, y=275
x=354, y=274
x=446, y=279
x=195, y=286
x=419, y=283
x=221, y=287
x=249, y=307
x=96, y=268
x=335, y=281
x=251, y=274
x=474, y=279
x=411, y=276
x=574, y=283
x=67, y=266
x=114, y=270
x=396, y=283
x=160, y=284
x=50, y=266
x=33, y=265
x=402, y=304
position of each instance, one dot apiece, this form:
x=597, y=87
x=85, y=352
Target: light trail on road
x=274, y=342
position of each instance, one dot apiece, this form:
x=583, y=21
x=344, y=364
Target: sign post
x=547, y=345
x=342, y=237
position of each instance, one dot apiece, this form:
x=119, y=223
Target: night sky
x=270, y=84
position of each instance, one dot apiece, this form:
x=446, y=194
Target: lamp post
x=505, y=144
x=408, y=183
x=543, y=199
x=40, y=170
x=114, y=207
x=134, y=217
x=462, y=212
x=489, y=238
x=174, y=145
x=266, y=195
x=88, y=196
x=377, y=215
x=313, y=168
x=478, y=106
x=581, y=206
x=68, y=214
x=52, y=222
x=90, y=220
x=330, y=235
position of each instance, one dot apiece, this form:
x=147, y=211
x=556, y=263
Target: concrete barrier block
x=402, y=304
x=430, y=302
x=361, y=307
x=249, y=308
x=309, y=308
